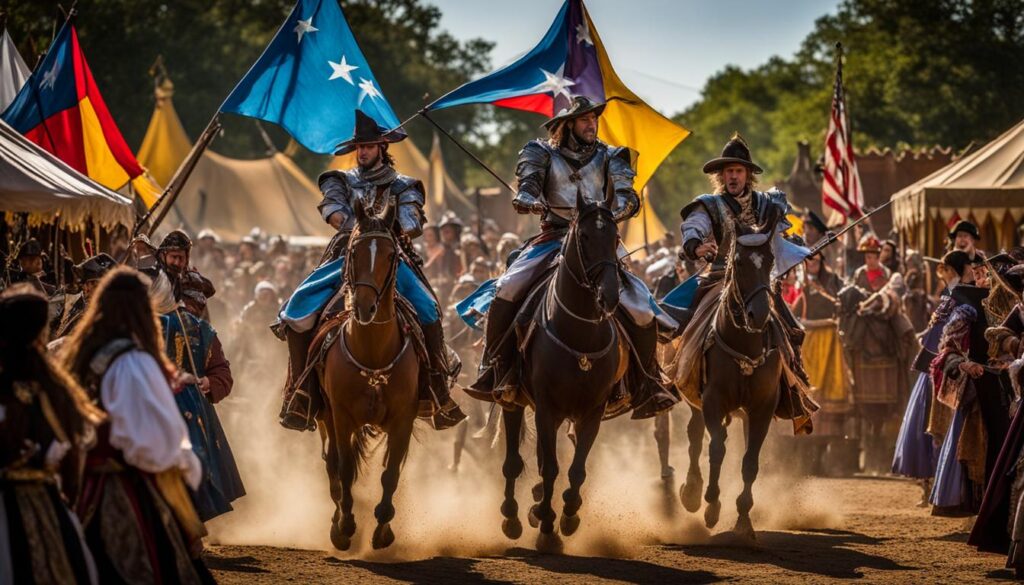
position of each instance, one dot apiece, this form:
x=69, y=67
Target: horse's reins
x=746, y=363
x=583, y=359
x=389, y=280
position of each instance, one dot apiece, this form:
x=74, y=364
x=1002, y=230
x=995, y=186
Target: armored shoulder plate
x=536, y=152
x=705, y=201
x=101, y=360
x=409, y=190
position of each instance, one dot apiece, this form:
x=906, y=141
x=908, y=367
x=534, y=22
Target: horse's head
x=590, y=251
x=372, y=261
x=750, y=268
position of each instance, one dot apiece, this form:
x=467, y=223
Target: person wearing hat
x=378, y=187
x=46, y=422
x=88, y=275
x=708, y=228
x=964, y=236
x=31, y=268
x=174, y=259
x=450, y=265
x=551, y=173
x=873, y=275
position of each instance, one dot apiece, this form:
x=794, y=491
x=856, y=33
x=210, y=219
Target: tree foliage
x=917, y=73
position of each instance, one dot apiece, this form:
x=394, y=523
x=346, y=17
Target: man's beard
x=174, y=271
x=371, y=165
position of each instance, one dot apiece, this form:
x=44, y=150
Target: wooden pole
x=173, y=189
x=475, y=158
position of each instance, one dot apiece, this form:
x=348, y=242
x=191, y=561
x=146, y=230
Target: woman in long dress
x=138, y=517
x=45, y=420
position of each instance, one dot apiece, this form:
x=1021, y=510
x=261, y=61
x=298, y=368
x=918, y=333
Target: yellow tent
x=229, y=196
x=632, y=230
x=442, y=192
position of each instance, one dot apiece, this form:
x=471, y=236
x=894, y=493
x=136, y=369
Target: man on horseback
x=550, y=174
x=709, y=228
x=375, y=184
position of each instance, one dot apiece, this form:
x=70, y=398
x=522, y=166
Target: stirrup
x=293, y=416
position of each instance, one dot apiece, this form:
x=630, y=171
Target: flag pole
x=475, y=158
x=177, y=183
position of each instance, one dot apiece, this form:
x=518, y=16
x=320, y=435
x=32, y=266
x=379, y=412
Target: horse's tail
x=361, y=445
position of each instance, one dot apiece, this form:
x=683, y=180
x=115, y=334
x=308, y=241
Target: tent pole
x=177, y=183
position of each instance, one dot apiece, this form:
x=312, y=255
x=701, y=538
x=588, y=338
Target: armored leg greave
x=297, y=411
x=447, y=414
x=500, y=352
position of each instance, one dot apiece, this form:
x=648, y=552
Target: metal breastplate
x=563, y=181
x=366, y=193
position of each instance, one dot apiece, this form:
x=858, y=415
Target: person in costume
x=138, y=517
x=377, y=186
x=817, y=309
x=551, y=173
x=193, y=347
x=174, y=258
x=917, y=447
x=30, y=267
x=45, y=419
x=965, y=237
x=708, y=232
x=88, y=275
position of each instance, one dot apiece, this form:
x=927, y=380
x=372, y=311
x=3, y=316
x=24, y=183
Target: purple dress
x=916, y=455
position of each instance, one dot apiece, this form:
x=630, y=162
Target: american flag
x=841, y=190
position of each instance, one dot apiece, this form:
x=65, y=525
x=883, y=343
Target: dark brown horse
x=743, y=371
x=370, y=379
x=572, y=363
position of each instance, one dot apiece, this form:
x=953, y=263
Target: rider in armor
x=550, y=174
x=377, y=185
x=708, y=229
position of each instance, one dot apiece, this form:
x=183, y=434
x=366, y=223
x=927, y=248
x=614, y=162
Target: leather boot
x=500, y=347
x=447, y=414
x=649, y=395
x=297, y=409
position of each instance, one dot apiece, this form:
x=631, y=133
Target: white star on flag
x=583, y=34
x=50, y=77
x=368, y=90
x=303, y=27
x=342, y=70
x=556, y=84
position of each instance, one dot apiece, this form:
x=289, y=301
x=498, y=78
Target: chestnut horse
x=370, y=378
x=570, y=367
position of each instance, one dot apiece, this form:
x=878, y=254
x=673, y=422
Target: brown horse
x=743, y=372
x=370, y=379
x=572, y=363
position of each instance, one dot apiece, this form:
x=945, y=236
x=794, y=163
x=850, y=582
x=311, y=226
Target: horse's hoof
x=383, y=537
x=689, y=495
x=512, y=528
x=744, y=530
x=569, y=524
x=549, y=543
x=533, y=517
x=538, y=492
x=711, y=513
x=340, y=540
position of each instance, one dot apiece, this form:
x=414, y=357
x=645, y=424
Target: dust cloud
x=455, y=512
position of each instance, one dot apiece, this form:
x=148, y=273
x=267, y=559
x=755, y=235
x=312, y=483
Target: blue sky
x=664, y=50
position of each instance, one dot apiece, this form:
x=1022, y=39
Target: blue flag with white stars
x=311, y=79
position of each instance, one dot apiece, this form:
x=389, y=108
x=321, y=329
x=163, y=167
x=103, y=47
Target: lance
x=832, y=238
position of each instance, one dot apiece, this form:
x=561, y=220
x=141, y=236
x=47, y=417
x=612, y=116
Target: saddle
x=329, y=329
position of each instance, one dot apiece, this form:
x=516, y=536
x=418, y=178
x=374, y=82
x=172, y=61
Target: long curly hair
x=120, y=308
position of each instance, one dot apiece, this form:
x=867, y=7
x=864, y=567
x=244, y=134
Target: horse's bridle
x=389, y=280
x=587, y=279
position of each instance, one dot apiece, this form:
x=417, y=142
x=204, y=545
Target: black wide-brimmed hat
x=32, y=247
x=815, y=220
x=958, y=260
x=94, y=268
x=580, y=105
x=368, y=132
x=964, y=226
x=735, y=151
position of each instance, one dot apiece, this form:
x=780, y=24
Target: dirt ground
x=883, y=539
x=633, y=528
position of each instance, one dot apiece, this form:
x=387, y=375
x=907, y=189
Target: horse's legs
x=757, y=430
x=663, y=438
x=460, y=444
x=547, y=435
x=714, y=420
x=586, y=433
x=511, y=469
x=690, y=491
x=347, y=462
x=331, y=459
x=398, y=447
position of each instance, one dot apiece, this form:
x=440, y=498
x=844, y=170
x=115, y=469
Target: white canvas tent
x=36, y=182
x=986, y=187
